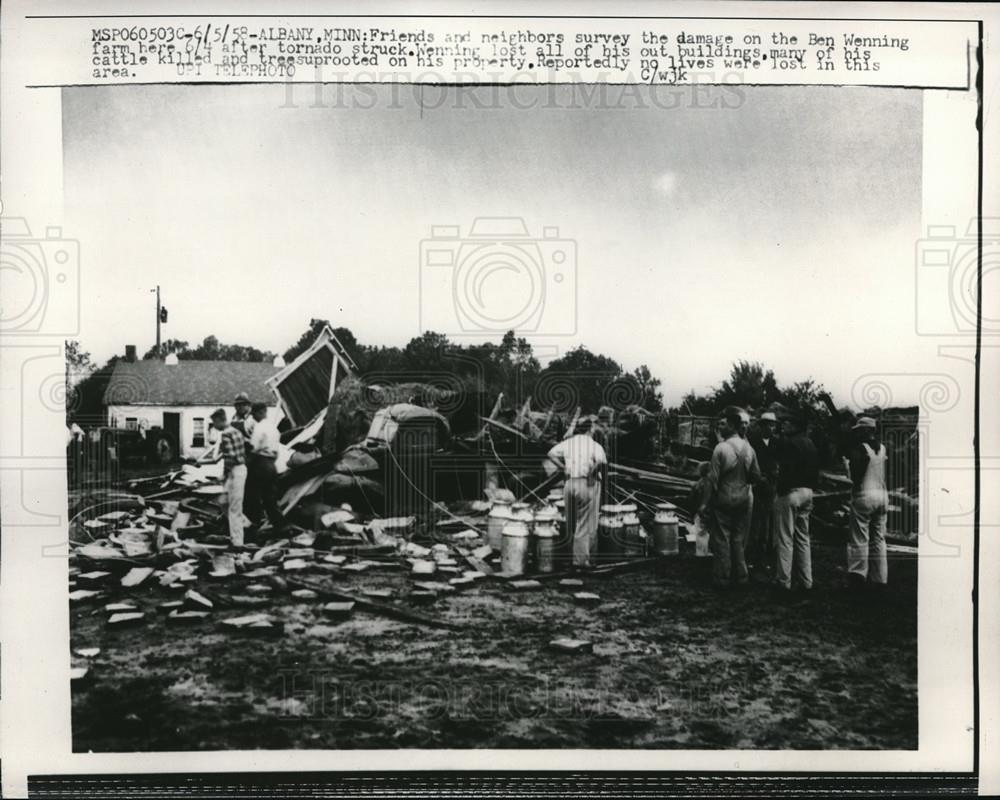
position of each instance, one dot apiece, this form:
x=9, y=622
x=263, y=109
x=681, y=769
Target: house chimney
x=171, y=360
x=130, y=353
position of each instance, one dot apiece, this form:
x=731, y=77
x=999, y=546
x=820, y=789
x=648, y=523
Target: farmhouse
x=179, y=396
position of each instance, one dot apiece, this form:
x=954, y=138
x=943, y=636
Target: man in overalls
x=866, y=552
x=728, y=502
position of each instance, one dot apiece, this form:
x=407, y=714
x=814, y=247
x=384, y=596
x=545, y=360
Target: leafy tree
x=649, y=388
x=581, y=378
x=483, y=370
x=807, y=396
x=79, y=367
x=178, y=346
x=210, y=349
x=427, y=352
x=749, y=385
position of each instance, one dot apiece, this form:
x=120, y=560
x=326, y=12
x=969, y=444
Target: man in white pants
x=232, y=453
x=583, y=462
x=798, y=475
x=866, y=551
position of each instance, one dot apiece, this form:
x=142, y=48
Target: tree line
x=579, y=379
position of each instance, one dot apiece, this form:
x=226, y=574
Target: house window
x=198, y=439
x=131, y=423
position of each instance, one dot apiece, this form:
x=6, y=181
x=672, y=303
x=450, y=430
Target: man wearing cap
x=582, y=461
x=866, y=551
x=797, y=478
x=727, y=504
x=760, y=544
x=262, y=472
x=232, y=452
x=243, y=421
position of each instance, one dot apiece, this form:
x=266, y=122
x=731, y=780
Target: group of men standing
x=248, y=449
x=755, y=497
x=757, y=500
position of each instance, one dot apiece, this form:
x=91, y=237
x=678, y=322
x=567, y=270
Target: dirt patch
x=675, y=665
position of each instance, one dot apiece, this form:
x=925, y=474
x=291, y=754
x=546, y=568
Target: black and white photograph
x=526, y=418
x=553, y=475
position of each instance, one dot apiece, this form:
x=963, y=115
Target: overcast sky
x=778, y=228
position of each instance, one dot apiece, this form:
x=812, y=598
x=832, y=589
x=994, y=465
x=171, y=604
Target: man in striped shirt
x=232, y=453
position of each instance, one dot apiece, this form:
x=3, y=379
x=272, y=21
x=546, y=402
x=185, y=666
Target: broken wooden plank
x=254, y=624
x=586, y=599
x=121, y=620
x=475, y=561
x=136, y=576
x=178, y=617
x=566, y=645
x=338, y=610
x=198, y=601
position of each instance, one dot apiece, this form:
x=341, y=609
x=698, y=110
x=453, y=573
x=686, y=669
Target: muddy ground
x=675, y=665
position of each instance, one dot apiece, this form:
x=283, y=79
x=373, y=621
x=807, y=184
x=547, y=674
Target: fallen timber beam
x=361, y=549
x=633, y=564
x=394, y=612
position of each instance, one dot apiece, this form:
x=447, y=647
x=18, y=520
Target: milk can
x=522, y=513
x=545, y=535
x=514, y=549
x=609, y=532
x=665, y=529
x=499, y=516
x=632, y=533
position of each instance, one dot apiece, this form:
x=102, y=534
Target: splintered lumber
x=554, y=478
x=394, y=612
x=506, y=428
x=477, y=564
x=650, y=477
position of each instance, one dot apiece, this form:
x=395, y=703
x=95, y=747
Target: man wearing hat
x=728, y=501
x=232, y=453
x=582, y=461
x=866, y=551
x=243, y=421
x=797, y=478
x=760, y=543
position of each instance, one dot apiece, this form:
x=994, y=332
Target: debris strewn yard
x=416, y=591
x=662, y=661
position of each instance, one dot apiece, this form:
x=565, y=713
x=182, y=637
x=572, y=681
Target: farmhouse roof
x=189, y=383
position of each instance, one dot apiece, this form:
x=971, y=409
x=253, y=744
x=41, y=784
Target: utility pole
x=158, y=352
x=161, y=317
